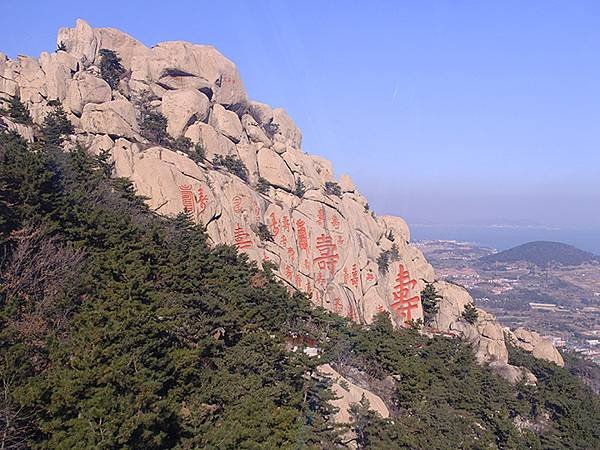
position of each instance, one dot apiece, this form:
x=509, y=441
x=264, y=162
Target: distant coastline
x=504, y=237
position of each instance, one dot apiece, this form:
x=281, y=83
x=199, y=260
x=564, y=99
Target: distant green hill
x=543, y=254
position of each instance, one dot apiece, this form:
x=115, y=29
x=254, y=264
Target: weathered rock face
x=182, y=106
x=116, y=118
x=86, y=88
x=540, y=347
x=329, y=246
x=348, y=393
x=486, y=335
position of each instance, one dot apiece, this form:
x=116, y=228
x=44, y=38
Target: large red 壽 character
x=403, y=303
x=187, y=198
x=328, y=253
x=241, y=238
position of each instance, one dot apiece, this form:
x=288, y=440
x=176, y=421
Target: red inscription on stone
x=318, y=296
x=335, y=222
x=284, y=241
x=306, y=265
x=308, y=287
x=403, y=303
x=241, y=238
x=302, y=235
x=274, y=225
x=338, y=306
x=328, y=253
x=237, y=204
x=202, y=199
x=346, y=276
x=320, y=279
x=321, y=216
x=227, y=79
x=187, y=198
x=298, y=281
x=288, y=272
x=351, y=314
x=257, y=212
x=291, y=253
x=354, y=278
x=370, y=276
x=285, y=222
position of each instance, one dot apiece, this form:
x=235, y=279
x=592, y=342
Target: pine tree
x=111, y=69
x=18, y=112
x=56, y=127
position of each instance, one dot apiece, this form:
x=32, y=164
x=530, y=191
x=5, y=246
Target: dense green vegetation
x=123, y=329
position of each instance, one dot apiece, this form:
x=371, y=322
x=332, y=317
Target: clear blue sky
x=441, y=111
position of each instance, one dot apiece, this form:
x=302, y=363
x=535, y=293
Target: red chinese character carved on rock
x=288, y=272
x=187, y=198
x=370, y=276
x=308, y=287
x=202, y=199
x=328, y=253
x=403, y=303
x=274, y=225
x=285, y=222
x=241, y=238
x=346, y=276
x=291, y=252
x=354, y=278
x=351, y=314
x=335, y=222
x=302, y=235
x=320, y=279
x=237, y=204
x=284, y=241
x=338, y=306
x=321, y=216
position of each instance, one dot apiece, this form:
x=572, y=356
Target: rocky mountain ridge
x=253, y=186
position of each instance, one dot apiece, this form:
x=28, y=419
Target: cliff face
x=286, y=205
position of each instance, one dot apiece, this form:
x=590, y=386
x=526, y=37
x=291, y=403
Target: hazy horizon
x=451, y=113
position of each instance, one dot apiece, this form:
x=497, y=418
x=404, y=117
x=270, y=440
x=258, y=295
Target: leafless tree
x=39, y=270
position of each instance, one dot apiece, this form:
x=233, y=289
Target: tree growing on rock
x=470, y=313
x=56, y=127
x=18, y=112
x=332, y=188
x=263, y=233
x=154, y=127
x=263, y=185
x=233, y=164
x=111, y=69
x=430, y=301
x=300, y=189
x=386, y=257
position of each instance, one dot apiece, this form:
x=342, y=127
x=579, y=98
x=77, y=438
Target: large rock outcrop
x=347, y=393
x=286, y=206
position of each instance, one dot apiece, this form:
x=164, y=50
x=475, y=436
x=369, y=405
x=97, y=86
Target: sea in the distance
x=502, y=238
